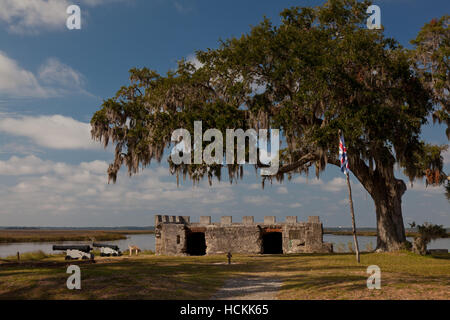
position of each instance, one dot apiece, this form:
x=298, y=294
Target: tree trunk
x=388, y=206
x=386, y=192
x=420, y=246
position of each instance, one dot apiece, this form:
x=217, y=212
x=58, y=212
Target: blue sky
x=53, y=79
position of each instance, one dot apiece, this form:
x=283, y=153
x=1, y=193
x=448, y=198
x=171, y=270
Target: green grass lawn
x=309, y=276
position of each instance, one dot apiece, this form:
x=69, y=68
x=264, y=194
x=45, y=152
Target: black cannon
x=108, y=249
x=75, y=251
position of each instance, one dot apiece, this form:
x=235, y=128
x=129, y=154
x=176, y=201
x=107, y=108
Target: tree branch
x=297, y=164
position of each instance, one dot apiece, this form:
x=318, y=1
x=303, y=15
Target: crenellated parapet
x=228, y=220
x=160, y=219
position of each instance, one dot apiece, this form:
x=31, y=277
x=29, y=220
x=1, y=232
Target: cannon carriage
x=75, y=252
x=107, y=250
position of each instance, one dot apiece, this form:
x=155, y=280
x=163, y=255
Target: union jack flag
x=343, y=155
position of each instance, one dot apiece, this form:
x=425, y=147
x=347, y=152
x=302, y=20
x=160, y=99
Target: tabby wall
x=244, y=237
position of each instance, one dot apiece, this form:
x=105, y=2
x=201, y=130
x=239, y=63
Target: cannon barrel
x=73, y=247
x=111, y=246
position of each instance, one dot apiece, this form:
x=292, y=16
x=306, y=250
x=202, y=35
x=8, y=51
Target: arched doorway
x=272, y=243
x=196, y=244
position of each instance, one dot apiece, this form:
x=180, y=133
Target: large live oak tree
x=319, y=71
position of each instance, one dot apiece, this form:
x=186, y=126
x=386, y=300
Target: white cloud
x=32, y=165
x=54, y=78
x=29, y=16
x=421, y=187
x=19, y=149
x=33, y=16
x=36, y=191
x=282, y=190
x=55, y=132
x=96, y=2
x=46, y=189
x=335, y=185
x=446, y=156
x=254, y=186
x=313, y=181
x=24, y=166
x=194, y=61
x=93, y=3
x=55, y=73
x=257, y=200
x=182, y=7
x=18, y=82
x=216, y=211
x=295, y=205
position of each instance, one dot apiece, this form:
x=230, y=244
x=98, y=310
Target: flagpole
x=355, y=239
x=352, y=211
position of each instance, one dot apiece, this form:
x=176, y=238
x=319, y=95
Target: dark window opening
x=178, y=239
x=272, y=243
x=196, y=244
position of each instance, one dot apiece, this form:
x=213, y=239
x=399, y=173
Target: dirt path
x=249, y=288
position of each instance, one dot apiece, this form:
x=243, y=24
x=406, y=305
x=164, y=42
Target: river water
x=143, y=241
x=341, y=243
x=147, y=242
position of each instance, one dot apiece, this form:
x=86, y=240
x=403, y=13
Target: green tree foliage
x=319, y=71
x=431, y=61
x=427, y=233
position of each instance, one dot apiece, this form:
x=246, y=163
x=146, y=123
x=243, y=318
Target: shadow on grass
x=304, y=255
x=440, y=256
x=160, y=278
x=34, y=289
x=301, y=282
x=133, y=279
x=305, y=263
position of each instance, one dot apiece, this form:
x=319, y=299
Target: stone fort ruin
x=176, y=235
